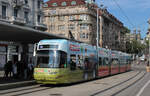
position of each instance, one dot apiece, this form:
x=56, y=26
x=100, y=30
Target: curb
x=17, y=84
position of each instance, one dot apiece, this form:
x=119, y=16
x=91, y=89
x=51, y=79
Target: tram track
x=40, y=87
x=109, y=91
x=129, y=85
x=24, y=90
x=28, y=90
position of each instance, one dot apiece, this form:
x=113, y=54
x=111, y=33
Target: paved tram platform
x=10, y=82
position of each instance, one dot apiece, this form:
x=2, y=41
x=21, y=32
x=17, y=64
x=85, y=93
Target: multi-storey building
x=25, y=13
x=75, y=16
x=111, y=28
x=22, y=12
x=80, y=17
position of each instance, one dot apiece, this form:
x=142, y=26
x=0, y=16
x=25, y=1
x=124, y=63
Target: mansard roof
x=68, y=3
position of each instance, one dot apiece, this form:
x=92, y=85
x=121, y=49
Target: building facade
x=110, y=35
x=80, y=18
x=75, y=16
x=25, y=13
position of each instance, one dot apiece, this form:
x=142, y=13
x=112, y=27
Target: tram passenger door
x=100, y=66
x=73, y=68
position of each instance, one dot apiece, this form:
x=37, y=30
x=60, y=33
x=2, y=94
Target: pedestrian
x=30, y=71
x=24, y=67
x=18, y=64
x=147, y=63
x=10, y=69
x=6, y=71
x=14, y=70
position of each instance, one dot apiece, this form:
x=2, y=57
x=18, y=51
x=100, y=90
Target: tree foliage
x=125, y=30
x=135, y=47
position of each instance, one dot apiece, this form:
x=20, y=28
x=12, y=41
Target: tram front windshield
x=51, y=59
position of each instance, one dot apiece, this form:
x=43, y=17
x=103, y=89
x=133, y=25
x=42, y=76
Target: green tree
x=135, y=47
x=125, y=30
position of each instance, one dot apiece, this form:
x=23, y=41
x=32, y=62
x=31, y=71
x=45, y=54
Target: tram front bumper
x=50, y=80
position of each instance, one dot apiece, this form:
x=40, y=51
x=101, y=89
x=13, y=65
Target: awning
x=16, y=33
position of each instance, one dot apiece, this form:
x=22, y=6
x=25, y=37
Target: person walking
x=6, y=71
x=14, y=67
x=10, y=69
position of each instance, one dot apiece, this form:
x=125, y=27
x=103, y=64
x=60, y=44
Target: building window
x=39, y=4
x=71, y=27
x=61, y=27
x=73, y=3
x=26, y=16
x=87, y=35
x=84, y=27
x=52, y=27
x=15, y=12
x=26, y=1
x=84, y=17
x=4, y=11
x=52, y=19
x=72, y=17
x=38, y=18
x=54, y=4
x=61, y=18
x=82, y=35
x=63, y=3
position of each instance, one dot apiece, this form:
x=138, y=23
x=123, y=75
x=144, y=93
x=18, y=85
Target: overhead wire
x=124, y=13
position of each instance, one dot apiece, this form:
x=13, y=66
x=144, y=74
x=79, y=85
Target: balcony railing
x=17, y=20
x=18, y=3
x=54, y=12
x=40, y=26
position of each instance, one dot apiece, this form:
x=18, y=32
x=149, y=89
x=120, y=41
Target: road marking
x=142, y=89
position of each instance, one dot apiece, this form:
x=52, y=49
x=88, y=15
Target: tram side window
x=80, y=61
x=100, y=62
x=114, y=62
x=63, y=60
x=106, y=61
x=73, y=62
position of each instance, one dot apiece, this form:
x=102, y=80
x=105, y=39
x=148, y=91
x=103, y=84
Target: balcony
x=18, y=3
x=40, y=26
x=17, y=20
x=85, y=22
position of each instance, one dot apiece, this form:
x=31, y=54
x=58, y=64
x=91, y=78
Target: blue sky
x=136, y=10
